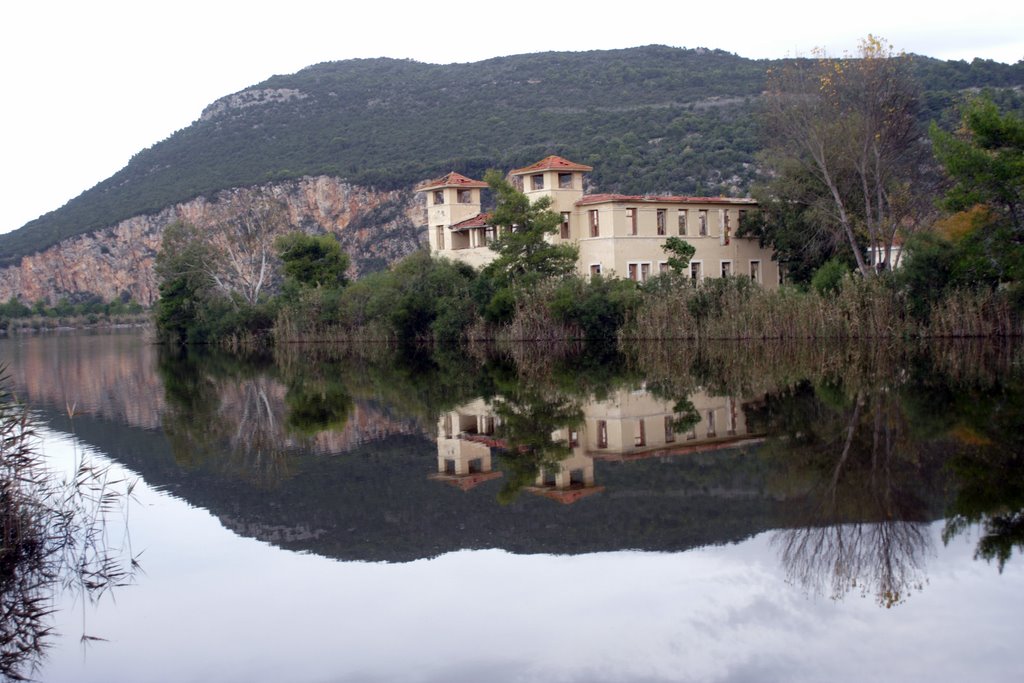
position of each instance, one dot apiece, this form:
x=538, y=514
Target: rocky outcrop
x=251, y=98
x=374, y=227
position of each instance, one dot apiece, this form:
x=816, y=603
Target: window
x=447, y=425
x=537, y=182
x=682, y=221
x=595, y=268
x=595, y=228
x=465, y=197
x=488, y=234
x=574, y=438
x=743, y=217
x=639, y=271
x=631, y=220
x=565, y=181
x=565, y=225
x=726, y=268
x=661, y=221
x=640, y=438
x=711, y=423
x=702, y=220
x=695, y=271
x=755, y=271
x=439, y=196
x=662, y=267
x=602, y=434
x=726, y=227
x=670, y=434
x=439, y=234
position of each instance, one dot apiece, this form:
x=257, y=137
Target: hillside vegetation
x=649, y=119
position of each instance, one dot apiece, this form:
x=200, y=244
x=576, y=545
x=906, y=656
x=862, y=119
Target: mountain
x=649, y=119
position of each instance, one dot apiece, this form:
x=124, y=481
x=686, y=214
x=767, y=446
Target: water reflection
x=57, y=535
x=846, y=453
x=550, y=442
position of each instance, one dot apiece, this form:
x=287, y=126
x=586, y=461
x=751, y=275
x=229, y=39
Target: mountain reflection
x=846, y=454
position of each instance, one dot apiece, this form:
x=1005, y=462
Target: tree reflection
x=989, y=469
x=865, y=491
x=527, y=419
x=227, y=414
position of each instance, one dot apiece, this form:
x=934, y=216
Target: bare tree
x=246, y=228
x=851, y=126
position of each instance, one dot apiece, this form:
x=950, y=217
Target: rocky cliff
x=375, y=228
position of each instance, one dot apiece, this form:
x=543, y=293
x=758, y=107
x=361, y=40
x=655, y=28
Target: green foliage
x=419, y=299
x=525, y=257
x=597, y=305
x=312, y=261
x=927, y=271
x=714, y=294
x=985, y=160
x=795, y=222
x=429, y=298
x=679, y=254
x=14, y=309
x=317, y=405
x=828, y=279
x=191, y=308
x=528, y=417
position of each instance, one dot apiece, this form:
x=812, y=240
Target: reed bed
x=861, y=309
x=53, y=536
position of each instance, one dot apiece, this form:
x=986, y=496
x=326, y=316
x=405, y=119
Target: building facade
x=617, y=235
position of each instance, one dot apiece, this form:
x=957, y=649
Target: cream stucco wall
x=618, y=246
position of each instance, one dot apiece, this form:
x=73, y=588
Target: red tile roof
x=661, y=199
x=552, y=163
x=565, y=496
x=453, y=179
x=478, y=221
x=465, y=482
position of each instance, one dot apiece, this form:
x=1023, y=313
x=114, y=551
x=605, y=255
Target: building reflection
x=464, y=440
x=623, y=425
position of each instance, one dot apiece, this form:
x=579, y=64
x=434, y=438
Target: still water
x=724, y=514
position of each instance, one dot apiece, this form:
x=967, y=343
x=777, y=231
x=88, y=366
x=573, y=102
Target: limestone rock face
x=375, y=228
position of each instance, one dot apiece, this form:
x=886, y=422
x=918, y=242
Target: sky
x=86, y=85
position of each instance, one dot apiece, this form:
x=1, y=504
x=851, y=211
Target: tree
x=848, y=130
x=246, y=230
x=985, y=160
x=679, y=254
x=312, y=261
x=183, y=269
x=525, y=256
x=523, y=249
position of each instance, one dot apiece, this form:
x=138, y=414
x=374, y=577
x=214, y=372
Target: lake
x=675, y=512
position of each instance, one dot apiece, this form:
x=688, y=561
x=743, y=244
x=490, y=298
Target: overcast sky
x=88, y=84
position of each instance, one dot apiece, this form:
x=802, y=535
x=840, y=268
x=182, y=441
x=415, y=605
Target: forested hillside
x=649, y=119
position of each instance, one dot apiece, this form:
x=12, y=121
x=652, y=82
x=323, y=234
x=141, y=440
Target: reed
x=869, y=309
x=53, y=536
